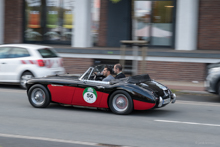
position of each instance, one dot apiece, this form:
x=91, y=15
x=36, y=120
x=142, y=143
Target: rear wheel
x=24, y=78
x=39, y=96
x=120, y=102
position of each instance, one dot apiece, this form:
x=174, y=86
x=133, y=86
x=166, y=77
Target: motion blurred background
x=183, y=35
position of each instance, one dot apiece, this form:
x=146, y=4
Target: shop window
x=33, y=28
x=153, y=21
x=52, y=21
x=59, y=20
x=49, y=21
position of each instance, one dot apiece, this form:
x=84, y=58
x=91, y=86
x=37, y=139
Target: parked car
x=122, y=96
x=20, y=62
x=212, y=82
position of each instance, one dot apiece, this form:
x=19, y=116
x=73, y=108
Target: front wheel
x=120, y=102
x=39, y=96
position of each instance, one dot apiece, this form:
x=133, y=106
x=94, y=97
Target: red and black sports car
x=122, y=96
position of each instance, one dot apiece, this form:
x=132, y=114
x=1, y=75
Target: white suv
x=20, y=62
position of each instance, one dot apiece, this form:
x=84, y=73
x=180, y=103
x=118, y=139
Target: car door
x=61, y=93
x=88, y=93
x=13, y=63
x=4, y=52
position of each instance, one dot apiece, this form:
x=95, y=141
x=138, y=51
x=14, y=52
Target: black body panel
x=140, y=88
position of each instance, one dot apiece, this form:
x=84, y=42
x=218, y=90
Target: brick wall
x=168, y=71
x=175, y=71
x=77, y=65
x=103, y=23
x=13, y=21
x=209, y=25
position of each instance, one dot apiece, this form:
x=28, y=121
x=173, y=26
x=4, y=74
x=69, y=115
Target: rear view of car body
x=39, y=61
x=48, y=63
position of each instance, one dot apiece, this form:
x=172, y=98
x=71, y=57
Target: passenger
x=118, y=71
x=107, y=73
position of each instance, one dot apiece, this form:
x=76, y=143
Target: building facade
x=179, y=25
x=176, y=24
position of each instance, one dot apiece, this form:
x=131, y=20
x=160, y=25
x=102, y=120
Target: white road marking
x=52, y=140
x=190, y=123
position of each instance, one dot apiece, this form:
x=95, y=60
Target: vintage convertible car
x=122, y=96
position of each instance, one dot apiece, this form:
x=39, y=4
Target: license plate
x=166, y=101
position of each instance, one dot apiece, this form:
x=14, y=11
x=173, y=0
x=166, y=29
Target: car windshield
x=47, y=53
x=99, y=68
x=89, y=72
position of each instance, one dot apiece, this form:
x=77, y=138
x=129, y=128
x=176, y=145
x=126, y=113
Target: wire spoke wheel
x=38, y=97
x=120, y=102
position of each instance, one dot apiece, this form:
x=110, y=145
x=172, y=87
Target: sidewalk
x=184, y=86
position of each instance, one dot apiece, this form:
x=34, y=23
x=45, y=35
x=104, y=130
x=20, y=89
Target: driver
x=107, y=73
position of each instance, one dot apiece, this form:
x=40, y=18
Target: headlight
x=216, y=69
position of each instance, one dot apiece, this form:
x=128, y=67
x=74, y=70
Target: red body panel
x=104, y=102
x=139, y=105
x=74, y=96
x=79, y=100
x=61, y=94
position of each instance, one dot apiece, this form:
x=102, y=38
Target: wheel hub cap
x=38, y=96
x=120, y=102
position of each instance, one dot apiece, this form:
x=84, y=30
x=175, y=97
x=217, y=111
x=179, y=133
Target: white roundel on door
x=89, y=95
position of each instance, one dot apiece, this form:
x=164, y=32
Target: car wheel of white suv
x=24, y=77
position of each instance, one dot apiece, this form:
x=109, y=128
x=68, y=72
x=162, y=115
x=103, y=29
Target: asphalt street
x=194, y=120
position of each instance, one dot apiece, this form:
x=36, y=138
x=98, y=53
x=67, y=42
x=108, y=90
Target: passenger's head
x=107, y=71
x=117, y=68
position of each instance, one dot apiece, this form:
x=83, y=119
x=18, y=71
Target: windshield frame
x=91, y=69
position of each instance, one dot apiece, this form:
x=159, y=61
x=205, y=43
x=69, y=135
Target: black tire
x=218, y=88
x=39, y=96
x=24, y=77
x=126, y=102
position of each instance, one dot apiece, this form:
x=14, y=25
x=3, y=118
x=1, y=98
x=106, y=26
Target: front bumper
x=163, y=102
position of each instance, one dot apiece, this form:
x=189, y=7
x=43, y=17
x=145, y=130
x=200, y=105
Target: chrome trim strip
x=56, y=85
